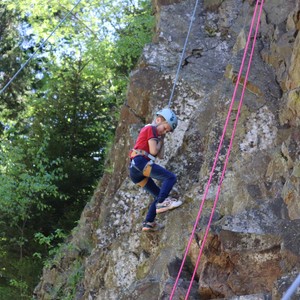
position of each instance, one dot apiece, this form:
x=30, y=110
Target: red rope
x=217, y=155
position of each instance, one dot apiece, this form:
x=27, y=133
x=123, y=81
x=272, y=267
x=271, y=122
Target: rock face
x=253, y=246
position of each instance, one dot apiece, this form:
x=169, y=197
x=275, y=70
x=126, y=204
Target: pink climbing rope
x=227, y=155
x=216, y=160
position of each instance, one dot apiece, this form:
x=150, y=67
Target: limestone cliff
x=253, y=247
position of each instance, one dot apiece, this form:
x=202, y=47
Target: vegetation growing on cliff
x=56, y=119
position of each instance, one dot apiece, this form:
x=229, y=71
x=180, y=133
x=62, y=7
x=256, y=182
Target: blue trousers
x=167, y=178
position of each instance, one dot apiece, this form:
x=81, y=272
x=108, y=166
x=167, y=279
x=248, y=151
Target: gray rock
x=252, y=247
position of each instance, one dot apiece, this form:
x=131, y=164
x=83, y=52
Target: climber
x=143, y=169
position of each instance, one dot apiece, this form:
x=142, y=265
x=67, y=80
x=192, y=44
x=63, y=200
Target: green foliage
x=52, y=243
x=137, y=32
x=75, y=277
x=25, y=179
x=57, y=122
x=19, y=277
x=21, y=286
x=11, y=57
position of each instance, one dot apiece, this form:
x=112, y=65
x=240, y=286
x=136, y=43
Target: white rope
x=42, y=45
x=183, y=51
x=291, y=290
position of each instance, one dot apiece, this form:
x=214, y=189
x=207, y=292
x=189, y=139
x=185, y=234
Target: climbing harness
x=41, y=46
x=148, y=167
x=146, y=172
x=261, y=2
x=134, y=152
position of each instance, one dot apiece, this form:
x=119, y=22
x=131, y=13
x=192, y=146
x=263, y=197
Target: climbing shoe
x=168, y=204
x=151, y=226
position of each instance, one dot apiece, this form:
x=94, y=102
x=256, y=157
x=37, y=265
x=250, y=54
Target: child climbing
x=143, y=169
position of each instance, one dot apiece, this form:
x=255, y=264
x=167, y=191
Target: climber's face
x=163, y=128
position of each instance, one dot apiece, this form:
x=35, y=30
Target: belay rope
x=261, y=2
x=291, y=290
x=182, y=54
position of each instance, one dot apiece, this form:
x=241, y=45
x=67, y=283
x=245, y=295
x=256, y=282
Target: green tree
x=54, y=141
x=11, y=58
x=79, y=115
x=25, y=181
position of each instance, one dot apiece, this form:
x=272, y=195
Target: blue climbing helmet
x=169, y=116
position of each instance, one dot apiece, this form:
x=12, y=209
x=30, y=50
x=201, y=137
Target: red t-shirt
x=148, y=132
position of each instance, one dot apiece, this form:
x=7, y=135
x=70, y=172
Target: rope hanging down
x=218, y=152
x=35, y=52
x=228, y=152
x=182, y=54
x=291, y=290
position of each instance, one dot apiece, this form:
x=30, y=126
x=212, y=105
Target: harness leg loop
x=147, y=169
x=143, y=182
x=146, y=173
